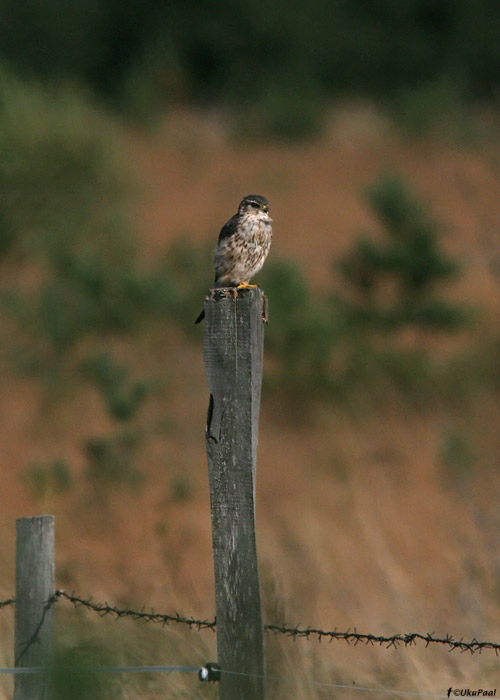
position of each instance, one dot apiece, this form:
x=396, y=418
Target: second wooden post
x=35, y=587
x=233, y=350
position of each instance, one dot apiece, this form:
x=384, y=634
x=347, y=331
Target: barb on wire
x=355, y=637
x=349, y=636
x=103, y=609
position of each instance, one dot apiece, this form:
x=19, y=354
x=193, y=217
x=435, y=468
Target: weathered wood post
x=233, y=349
x=34, y=616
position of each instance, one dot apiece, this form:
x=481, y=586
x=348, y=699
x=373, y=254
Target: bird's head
x=255, y=205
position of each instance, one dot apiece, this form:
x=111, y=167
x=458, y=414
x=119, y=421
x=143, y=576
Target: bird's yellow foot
x=243, y=285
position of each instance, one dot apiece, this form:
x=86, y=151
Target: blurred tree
x=88, y=40
x=394, y=282
x=282, y=58
x=64, y=206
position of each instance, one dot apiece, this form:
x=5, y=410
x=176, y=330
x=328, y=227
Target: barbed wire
x=350, y=636
x=354, y=637
x=103, y=609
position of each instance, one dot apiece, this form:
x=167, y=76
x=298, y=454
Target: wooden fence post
x=233, y=349
x=34, y=615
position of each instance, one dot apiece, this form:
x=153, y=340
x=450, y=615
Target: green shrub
x=49, y=478
x=282, y=113
x=74, y=673
x=303, y=333
x=457, y=455
x=393, y=283
x=396, y=282
x=189, y=272
x=59, y=176
x=111, y=460
x=181, y=488
x=64, y=213
x=123, y=396
x=432, y=108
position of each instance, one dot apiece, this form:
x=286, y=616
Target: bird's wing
x=229, y=228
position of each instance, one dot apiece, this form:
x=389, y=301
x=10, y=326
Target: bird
x=243, y=244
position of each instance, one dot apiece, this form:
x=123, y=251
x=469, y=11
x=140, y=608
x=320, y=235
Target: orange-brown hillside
x=359, y=525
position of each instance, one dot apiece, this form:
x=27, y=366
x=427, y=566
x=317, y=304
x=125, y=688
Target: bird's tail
x=200, y=317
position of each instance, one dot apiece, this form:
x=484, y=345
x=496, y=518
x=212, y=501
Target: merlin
x=243, y=244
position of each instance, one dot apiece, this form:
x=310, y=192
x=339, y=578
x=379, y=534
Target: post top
x=36, y=517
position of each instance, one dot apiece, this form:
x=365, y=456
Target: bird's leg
x=244, y=285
